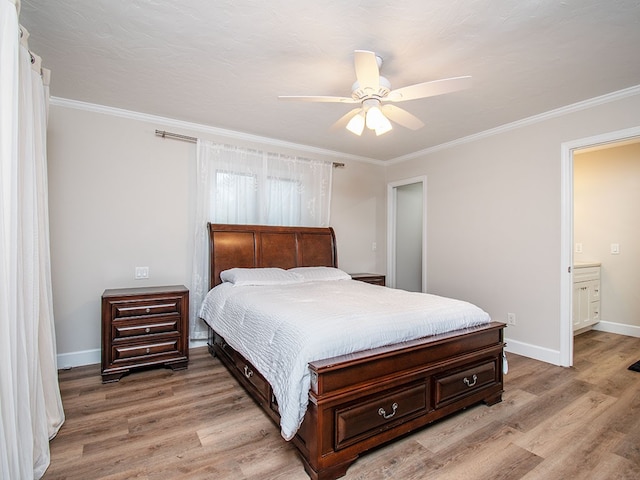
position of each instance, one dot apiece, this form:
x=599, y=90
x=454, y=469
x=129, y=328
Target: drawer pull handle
x=384, y=415
x=147, y=330
x=470, y=383
x=247, y=373
x=148, y=310
x=148, y=350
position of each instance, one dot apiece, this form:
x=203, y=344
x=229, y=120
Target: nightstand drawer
x=146, y=308
x=462, y=382
x=127, y=352
x=133, y=328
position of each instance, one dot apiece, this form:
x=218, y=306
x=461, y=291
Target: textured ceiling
x=224, y=63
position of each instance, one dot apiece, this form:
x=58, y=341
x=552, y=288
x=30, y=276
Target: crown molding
x=232, y=134
x=558, y=112
x=206, y=129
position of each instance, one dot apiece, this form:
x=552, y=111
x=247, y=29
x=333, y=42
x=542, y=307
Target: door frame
x=566, y=231
x=392, y=200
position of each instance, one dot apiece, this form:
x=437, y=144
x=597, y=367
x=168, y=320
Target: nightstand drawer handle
x=148, y=310
x=469, y=383
x=147, y=330
x=148, y=349
x=247, y=373
x=384, y=414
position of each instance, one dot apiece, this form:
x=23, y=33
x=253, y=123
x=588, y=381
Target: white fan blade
x=343, y=120
x=429, y=89
x=318, y=98
x=402, y=117
x=367, y=71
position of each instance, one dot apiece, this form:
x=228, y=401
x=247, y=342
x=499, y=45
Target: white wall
x=120, y=197
x=494, y=218
x=606, y=211
x=358, y=216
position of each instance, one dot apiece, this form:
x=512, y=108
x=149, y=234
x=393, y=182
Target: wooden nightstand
x=143, y=327
x=373, y=278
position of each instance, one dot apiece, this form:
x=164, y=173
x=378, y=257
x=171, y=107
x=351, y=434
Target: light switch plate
x=141, y=273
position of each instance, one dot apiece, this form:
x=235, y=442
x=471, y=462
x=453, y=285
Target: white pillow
x=259, y=276
x=319, y=274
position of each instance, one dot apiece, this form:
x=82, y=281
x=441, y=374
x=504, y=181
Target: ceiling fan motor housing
x=359, y=94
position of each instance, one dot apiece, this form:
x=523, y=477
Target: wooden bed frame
x=362, y=400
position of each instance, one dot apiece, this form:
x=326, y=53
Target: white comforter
x=280, y=329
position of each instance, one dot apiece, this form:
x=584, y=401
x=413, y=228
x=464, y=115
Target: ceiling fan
x=372, y=89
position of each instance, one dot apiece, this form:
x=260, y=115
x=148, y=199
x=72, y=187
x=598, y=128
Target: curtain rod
x=187, y=138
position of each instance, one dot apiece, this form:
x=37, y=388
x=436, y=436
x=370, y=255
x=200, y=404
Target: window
x=234, y=197
x=239, y=185
x=286, y=193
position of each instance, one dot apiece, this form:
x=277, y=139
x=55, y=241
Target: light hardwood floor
x=554, y=423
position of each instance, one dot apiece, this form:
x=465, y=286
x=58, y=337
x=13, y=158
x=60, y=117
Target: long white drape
x=30, y=405
x=243, y=186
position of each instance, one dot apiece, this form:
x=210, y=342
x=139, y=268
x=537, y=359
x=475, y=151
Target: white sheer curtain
x=30, y=406
x=243, y=186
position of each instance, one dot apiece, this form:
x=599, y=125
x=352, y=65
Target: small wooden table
x=144, y=327
x=374, y=278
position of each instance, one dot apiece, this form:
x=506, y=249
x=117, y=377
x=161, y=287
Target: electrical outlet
x=578, y=248
x=141, y=273
x=511, y=318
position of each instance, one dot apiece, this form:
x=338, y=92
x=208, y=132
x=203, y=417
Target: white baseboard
x=197, y=343
x=532, y=351
x=619, y=328
x=90, y=357
x=78, y=359
x=553, y=356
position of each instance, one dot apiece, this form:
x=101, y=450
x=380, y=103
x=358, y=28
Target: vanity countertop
x=585, y=264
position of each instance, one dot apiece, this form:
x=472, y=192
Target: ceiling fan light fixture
x=356, y=124
x=384, y=127
x=375, y=118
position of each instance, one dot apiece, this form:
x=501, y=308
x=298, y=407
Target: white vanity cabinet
x=586, y=295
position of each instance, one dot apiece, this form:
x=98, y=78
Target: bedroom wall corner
x=494, y=218
x=358, y=216
x=121, y=197
x=118, y=199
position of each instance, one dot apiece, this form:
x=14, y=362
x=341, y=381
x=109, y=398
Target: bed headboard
x=251, y=246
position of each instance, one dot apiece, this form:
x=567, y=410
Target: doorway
x=406, y=235
x=566, y=235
